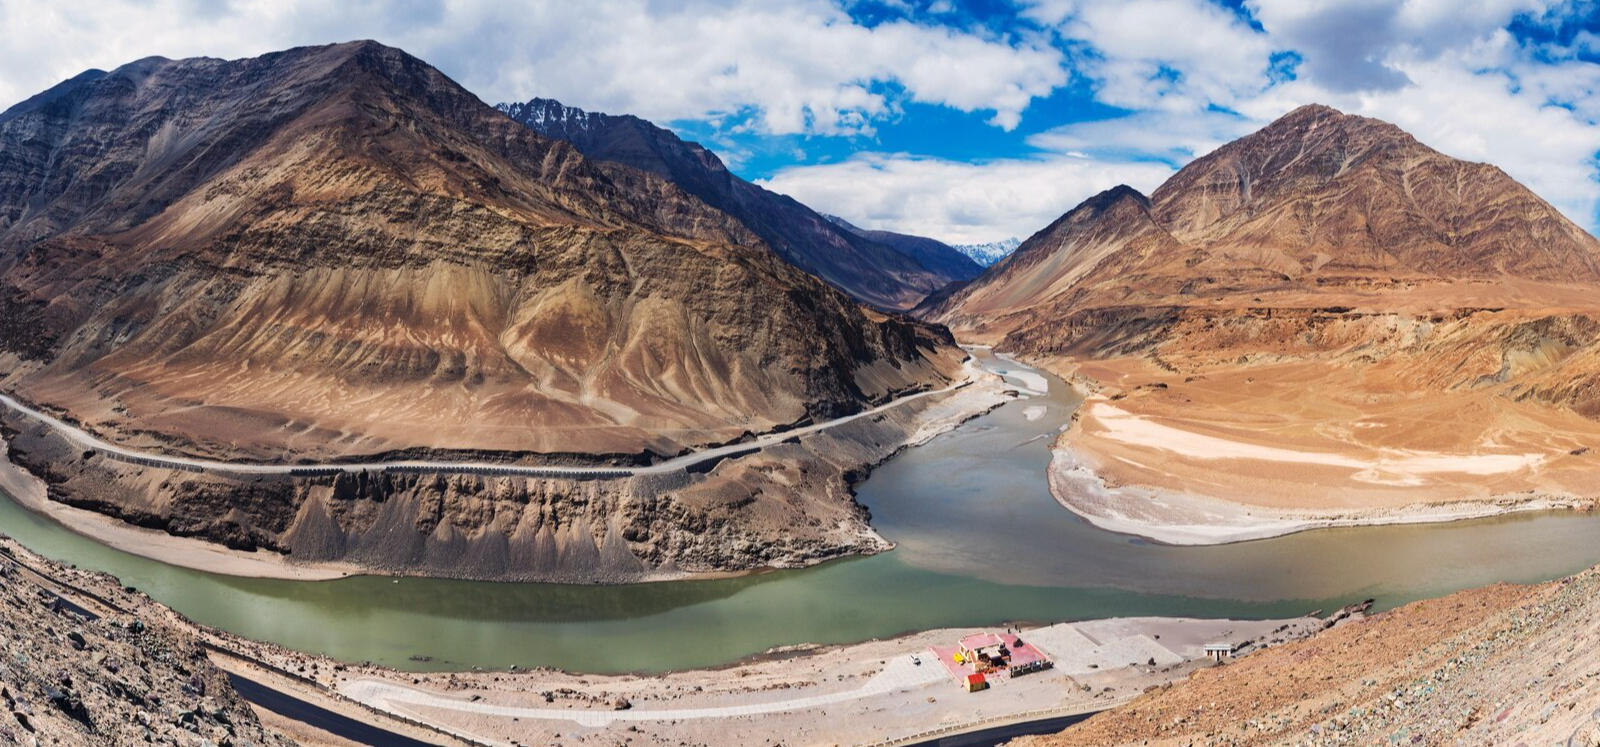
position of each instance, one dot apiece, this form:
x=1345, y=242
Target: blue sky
x=966, y=120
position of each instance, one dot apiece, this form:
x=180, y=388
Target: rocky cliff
x=872, y=271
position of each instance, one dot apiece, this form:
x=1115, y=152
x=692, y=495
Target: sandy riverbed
x=1241, y=455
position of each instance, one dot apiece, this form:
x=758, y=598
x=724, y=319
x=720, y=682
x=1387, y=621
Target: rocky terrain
x=122, y=679
x=885, y=274
x=1368, y=322
x=336, y=252
x=1503, y=665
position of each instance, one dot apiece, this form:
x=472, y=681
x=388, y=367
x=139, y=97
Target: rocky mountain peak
x=1322, y=190
x=549, y=116
x=1113, y=197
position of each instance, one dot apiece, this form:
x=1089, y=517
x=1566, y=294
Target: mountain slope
x=1322, y=192
x=1080, y=259
x=337, y=250
x=865, y=269
x=1375, y=324
x=939, y=257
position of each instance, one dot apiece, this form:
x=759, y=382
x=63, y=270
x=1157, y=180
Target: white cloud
x=1175, y=138
x=1356, y=45
x=958, y=202
x=1445, y=70
x=801, y=66
x=1169, y=54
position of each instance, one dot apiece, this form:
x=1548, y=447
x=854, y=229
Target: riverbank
x=1232, y=456
x=865, y=693
x=877, y=692
x=818, y=460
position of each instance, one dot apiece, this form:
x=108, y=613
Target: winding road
x=316, y=716
x=685, y=462
x=901, y=673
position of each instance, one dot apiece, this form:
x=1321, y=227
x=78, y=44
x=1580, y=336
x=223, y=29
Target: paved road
x=337, y=724
x=900, y=674
x=89, y=441
x=1001, y=734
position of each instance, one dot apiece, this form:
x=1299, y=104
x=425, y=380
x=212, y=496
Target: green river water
x=980, y=541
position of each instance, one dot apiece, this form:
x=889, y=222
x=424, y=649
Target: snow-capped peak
x=990, y=253
x=549, y=115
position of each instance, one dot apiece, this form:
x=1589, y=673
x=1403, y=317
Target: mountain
x=336, y=253
x=1065, y=264
x=1315, y=206
x=1325, y=290
x=274, y=255
x=940, y=258
x=990, y=253
x=867, y=270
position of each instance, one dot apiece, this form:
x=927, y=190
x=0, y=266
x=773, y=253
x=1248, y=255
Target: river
x=980, y=541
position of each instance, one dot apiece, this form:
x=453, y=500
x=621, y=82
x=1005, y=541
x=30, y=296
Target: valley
x=339, y=406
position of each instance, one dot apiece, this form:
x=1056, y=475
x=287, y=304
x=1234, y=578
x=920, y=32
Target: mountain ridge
x=1279, y=207
x=944, y=260
x=867, y=270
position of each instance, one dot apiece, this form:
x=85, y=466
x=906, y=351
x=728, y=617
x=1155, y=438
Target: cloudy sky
x=966, y=120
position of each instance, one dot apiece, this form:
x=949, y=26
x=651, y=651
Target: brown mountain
x=337, y=250
x=873, y=271
x=1318, y=203
x=1325, y=286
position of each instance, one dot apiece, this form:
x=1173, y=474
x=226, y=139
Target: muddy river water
x=980, y=541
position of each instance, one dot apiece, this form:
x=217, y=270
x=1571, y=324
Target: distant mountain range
x=990, y=253
x=935, y=255
x=872, y=272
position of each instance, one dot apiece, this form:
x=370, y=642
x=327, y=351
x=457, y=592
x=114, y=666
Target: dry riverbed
x=1263, y=451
